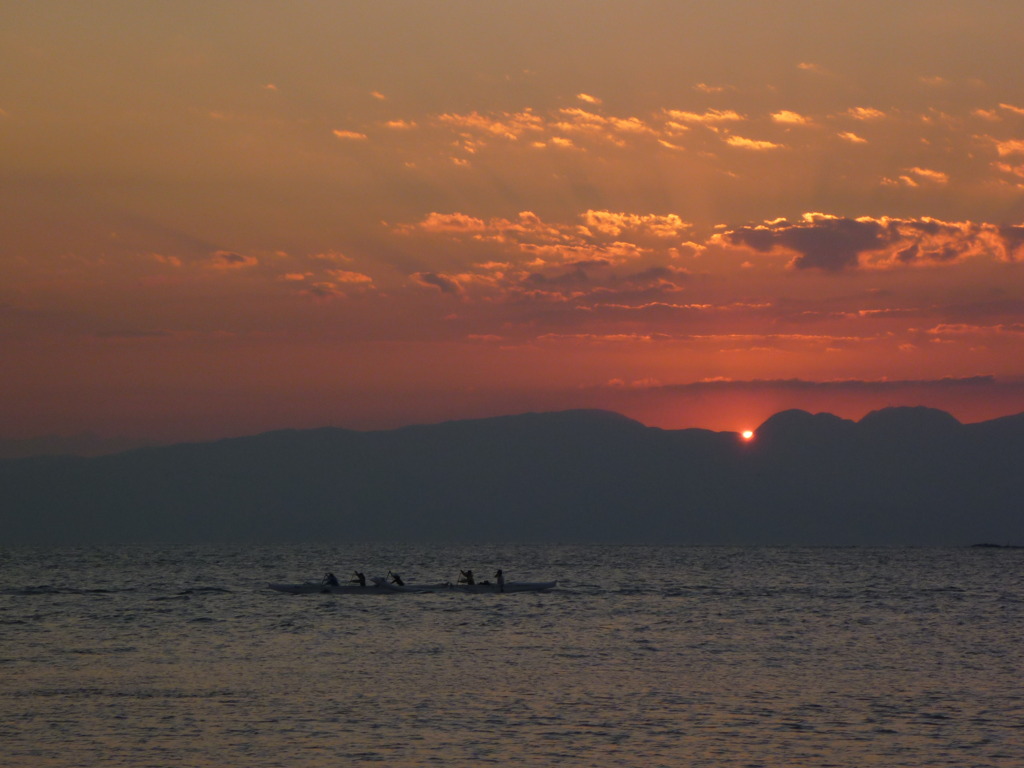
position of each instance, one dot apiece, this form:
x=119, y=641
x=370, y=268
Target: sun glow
x=747, y=434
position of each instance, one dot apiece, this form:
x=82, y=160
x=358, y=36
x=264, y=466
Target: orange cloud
x=754, y=144
x=787, y=117
x=506, y=125
x=349, y=135
x=865, y=113
x=611, y=223
x=611, y=129
x=1010, y=147
x=331, y=256
x=714, y=89
x=230, y=260
x=1014, y=170
x=915, y=177
x=451, y=222
x=350, y=278
x=323, y=290
x=927, y=174
x=709, y=117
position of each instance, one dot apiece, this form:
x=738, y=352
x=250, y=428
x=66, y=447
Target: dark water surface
x=644, y=656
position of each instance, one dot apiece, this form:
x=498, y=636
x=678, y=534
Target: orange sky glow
x=224, y=218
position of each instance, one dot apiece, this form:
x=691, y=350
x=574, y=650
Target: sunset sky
x=219, y=218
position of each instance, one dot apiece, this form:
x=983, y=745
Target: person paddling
x=467, y=577
x=331, y=580
x=501, y=580
x=396, y=579
x=360, y=579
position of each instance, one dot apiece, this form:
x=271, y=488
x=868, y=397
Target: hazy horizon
x=88, y=444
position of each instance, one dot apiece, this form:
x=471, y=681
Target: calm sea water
x=644, y=656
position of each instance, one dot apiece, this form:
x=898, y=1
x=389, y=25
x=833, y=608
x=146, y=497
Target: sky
x=220, y=218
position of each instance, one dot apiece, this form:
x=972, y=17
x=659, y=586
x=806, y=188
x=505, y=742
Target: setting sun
x=747, y=434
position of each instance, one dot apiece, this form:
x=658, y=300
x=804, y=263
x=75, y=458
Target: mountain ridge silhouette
x=899, y=476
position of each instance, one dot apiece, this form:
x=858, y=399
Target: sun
x=747, y=434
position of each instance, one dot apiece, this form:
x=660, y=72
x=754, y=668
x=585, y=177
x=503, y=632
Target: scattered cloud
x=851, y=137
x=865, y=113
x=822, y=242
x=1010, y=147
x=349, y=135
x=323, y=290
x=228, y=260
x=586, y=97
x=711, y=89
x=333, y=256
x=708, y=117
x=349, y=278
x=1013, y=170
x=505, y=125
x=786, y=117
x=436, y=281
x=916, y=177
x=171, y=261
x=451, y=222
x=608, y=222
x=754, y=144
x=836, y=244
x=929, y=175
x=615, y=130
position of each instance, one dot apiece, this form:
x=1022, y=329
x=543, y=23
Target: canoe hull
x=510, y=586
x=312, y=587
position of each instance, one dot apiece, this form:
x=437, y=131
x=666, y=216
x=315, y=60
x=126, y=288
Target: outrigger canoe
x=378, y=585
x=510, y=586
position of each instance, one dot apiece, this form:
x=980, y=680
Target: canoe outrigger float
x=379, y=585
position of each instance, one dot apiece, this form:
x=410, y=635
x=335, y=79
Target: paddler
x=360, y=579
x=501, y=580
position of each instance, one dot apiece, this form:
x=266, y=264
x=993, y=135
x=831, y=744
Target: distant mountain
x=900, y=476
x=83, y=444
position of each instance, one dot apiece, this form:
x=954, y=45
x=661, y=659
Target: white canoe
x=372, y=587
x=510, y=586
x=379, y=586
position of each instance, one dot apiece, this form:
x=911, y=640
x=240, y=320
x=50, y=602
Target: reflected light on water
x=688, y=656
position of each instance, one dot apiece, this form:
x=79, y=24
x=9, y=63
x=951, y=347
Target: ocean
x=643, y=656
